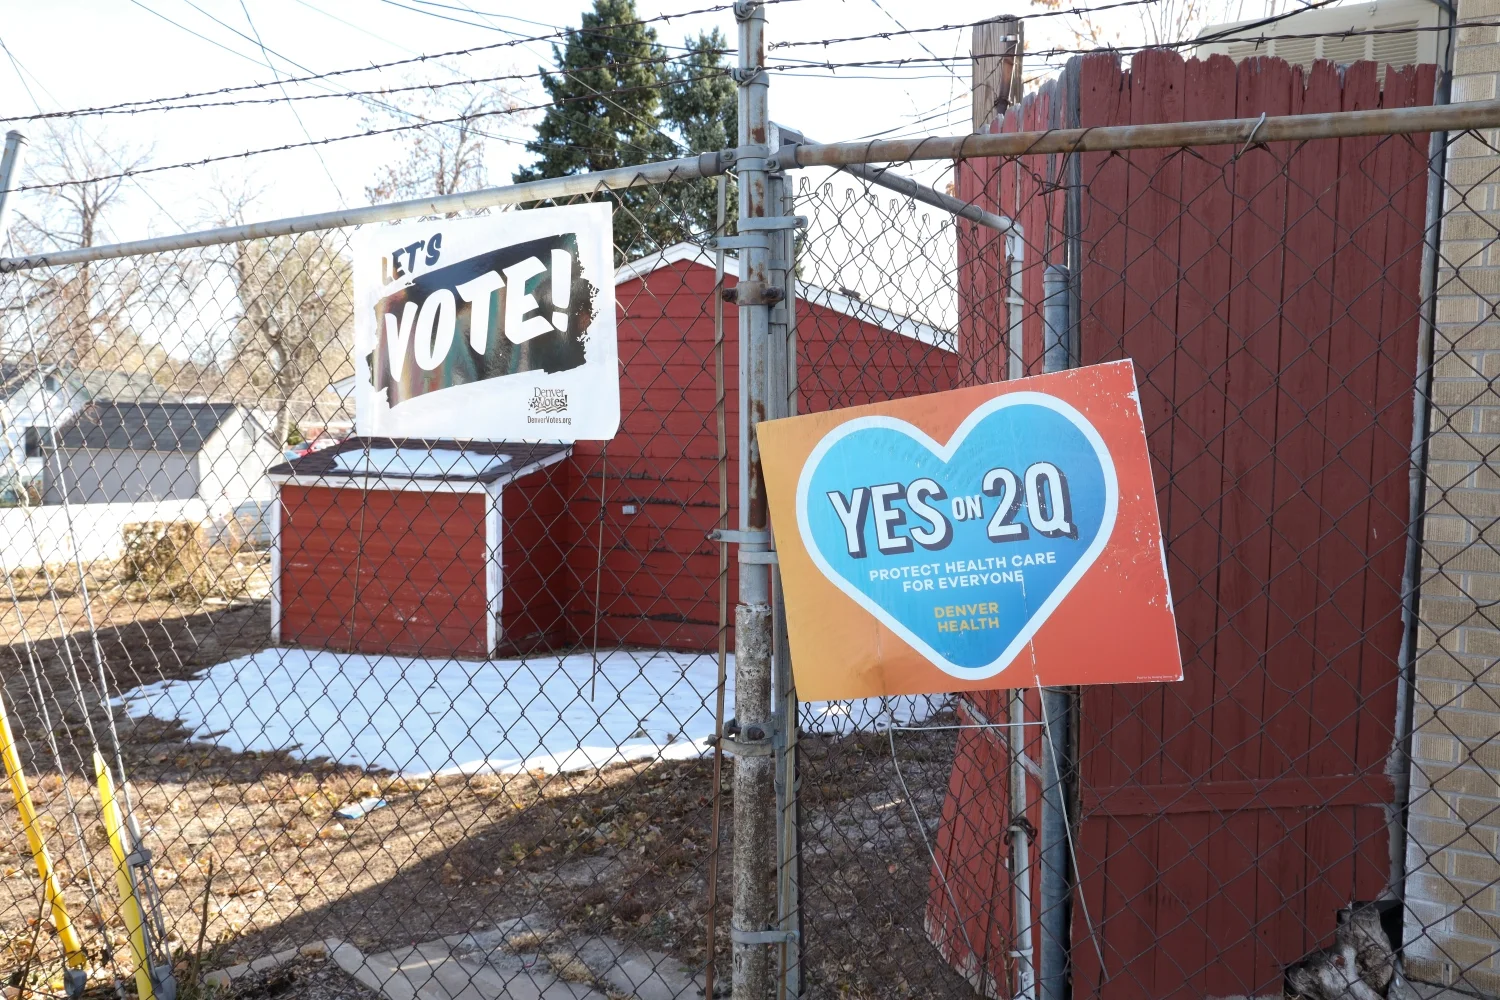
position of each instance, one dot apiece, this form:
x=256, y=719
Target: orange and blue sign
x=998, y=536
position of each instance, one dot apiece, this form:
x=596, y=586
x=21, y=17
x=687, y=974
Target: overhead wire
x=918, y=61
x=395, y=111
x=961, y=26
x=293, y=108
x=486, y=13
x=341, y=138
x=375, y=67
x=377, y=92
x=22, y=72
x=601, y=96
x=1237, y=33
x=446, y=17
x=451, y=122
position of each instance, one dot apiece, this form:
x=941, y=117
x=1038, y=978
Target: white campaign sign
x=500, y=328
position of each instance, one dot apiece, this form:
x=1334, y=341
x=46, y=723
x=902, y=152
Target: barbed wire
x=376, y=67
x=1079, y=11
x=357, y=135
x=467, y=81
x=1097, y=50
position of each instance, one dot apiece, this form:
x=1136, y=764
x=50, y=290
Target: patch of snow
x=442, y=716
x=417, y=462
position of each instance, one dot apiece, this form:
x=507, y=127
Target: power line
x=293, y=108
x=487, y=13
x=897, y=23
x=402, y=112
x=22, y=73
x=353, y=135
x=385, y=107
x=455, y=20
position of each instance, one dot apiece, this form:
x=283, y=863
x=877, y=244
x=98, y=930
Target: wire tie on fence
x=1253, y=129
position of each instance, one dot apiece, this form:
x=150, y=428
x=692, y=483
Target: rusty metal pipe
x=1238, y=131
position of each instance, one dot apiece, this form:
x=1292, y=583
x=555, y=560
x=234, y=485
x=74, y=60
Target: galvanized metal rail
x=1234, y=131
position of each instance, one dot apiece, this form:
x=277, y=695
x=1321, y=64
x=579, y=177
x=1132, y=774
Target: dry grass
x=622, y=852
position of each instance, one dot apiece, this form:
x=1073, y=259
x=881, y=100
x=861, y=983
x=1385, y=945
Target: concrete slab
x=520, y=959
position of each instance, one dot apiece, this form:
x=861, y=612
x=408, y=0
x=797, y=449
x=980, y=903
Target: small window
x=38, y=439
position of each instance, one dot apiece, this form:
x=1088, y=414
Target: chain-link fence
x=454, y=729
x=336, y=739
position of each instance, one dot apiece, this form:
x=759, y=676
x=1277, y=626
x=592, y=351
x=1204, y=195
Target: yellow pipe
x=72, y=946
x=130, y=904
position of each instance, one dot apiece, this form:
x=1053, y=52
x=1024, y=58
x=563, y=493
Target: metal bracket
x=755, y=293
x=747, y=748
x=772, y=222
x=733, y=537
x=749, y=241
x=767, y=936
x=759, y=741
x=765, y=557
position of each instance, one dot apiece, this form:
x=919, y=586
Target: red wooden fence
x=1269, y=299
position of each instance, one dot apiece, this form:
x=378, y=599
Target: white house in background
x=33, y=400
x=36, y=399
x=1387, y=32
x=129, y=452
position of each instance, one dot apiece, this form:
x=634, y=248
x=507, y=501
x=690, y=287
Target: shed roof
x=144, y=426
x=393, y=460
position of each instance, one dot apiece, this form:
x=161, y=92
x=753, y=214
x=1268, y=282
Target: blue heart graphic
x=964, y=548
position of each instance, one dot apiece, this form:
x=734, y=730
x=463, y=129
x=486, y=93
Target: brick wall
x=1453, y=914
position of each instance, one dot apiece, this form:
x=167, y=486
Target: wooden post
x=996, y=54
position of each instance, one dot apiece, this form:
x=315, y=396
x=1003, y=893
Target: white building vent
x=1387, y=32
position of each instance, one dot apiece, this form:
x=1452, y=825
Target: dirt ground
x=250, y=859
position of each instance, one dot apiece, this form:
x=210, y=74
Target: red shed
x=657, y=577
x=401, y=568
x=429, y=548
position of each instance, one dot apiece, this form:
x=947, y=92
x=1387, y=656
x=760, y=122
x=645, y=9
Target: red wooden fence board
x=1191, y=513
x=1298, y=519
x=1268, y=297
x=1354, y=352
x=1396, y=376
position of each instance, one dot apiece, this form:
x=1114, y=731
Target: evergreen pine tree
x=702, y=106
x=616, y=102
x=606, y=101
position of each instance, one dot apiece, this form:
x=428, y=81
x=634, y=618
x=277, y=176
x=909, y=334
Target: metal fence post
x=10, y=164
x=754, y=766
x=1057, y=713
